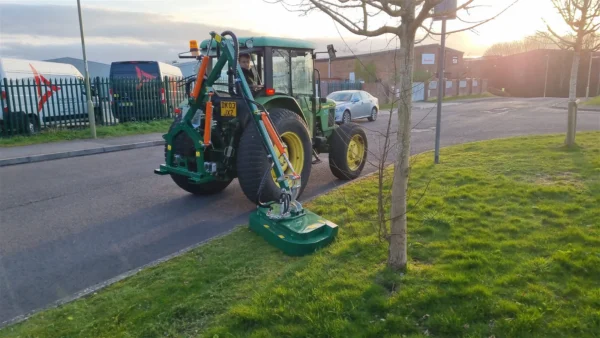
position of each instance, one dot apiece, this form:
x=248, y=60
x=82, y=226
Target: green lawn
x=505, y=242
x=57, y=135
x=594, y=101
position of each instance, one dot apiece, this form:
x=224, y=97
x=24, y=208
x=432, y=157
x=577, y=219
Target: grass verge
x=594, y=101
x=57, y=135
x=465, y=97
x=504, y=241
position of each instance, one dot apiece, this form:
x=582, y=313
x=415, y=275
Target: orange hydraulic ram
x=208, y=120
x=272, y=132
x=201, y=72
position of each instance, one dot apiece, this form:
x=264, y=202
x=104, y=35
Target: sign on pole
x=446, y=10
x=428, y=59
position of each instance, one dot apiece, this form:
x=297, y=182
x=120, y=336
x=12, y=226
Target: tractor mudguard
x=281, y=101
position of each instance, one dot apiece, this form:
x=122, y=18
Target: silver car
x=354, y=104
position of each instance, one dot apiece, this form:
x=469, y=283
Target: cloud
x=51, y=31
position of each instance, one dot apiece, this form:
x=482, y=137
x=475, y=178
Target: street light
x=587, y=90
x=88, y=92
x=546, y=79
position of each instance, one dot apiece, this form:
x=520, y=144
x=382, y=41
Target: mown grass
x=594, y=101
x=57, y=135
x=504, y=241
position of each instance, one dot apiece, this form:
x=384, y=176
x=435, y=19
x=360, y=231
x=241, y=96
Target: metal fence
x=33, y=105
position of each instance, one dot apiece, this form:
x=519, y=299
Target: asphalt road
x=69, y=224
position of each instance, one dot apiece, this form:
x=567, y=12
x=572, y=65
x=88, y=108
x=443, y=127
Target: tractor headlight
x=249, y=43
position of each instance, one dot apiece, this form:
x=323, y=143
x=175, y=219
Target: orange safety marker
x=200, y=77
x=208, y=120
x=272, y=132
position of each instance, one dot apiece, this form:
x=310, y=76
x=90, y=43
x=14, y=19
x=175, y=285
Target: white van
x=33, y=96
x=139, y=92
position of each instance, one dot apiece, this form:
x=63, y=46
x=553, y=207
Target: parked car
x=354, y=104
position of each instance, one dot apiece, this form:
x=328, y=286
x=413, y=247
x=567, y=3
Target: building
x=96, y=69
x=524, y=74
x=352, y=68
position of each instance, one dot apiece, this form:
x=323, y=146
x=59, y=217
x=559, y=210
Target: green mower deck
x=295, y=236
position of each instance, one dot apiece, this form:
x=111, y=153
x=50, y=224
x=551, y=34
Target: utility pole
x=88, y=92
x=546, y=80
x=446, y=10
x=441, y=85
x=587, y=90
x=598, y=85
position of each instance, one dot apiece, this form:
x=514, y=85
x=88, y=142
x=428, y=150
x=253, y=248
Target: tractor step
x=295, y=236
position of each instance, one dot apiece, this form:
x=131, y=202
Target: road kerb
x=77, y=153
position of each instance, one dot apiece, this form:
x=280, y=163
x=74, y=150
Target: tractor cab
x=283, y=66
x=284, y=69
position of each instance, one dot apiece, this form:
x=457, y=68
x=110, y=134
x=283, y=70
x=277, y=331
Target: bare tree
x=403, y=19
x=583, y=19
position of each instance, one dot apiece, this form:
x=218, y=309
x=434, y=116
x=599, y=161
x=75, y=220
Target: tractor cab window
x=256, y=66
x=281, y=71
x=302, y=71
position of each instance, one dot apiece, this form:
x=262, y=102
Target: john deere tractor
x=265, y=135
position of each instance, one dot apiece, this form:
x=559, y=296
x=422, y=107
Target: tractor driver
x=254, y=84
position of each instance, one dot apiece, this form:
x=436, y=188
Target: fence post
x=10, y=102
x=167, y=91
x=3, y=106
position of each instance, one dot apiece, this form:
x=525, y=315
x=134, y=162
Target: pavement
x=59, y=150
x=72, y=223
x=564, y=104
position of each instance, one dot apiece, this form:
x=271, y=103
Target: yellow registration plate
x=228, y=109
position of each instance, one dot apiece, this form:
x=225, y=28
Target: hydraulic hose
x=233, y=68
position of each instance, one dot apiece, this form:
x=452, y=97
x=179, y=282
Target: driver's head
x=244, y=60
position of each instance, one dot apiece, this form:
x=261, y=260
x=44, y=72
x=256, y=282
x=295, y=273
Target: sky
x=158, y=30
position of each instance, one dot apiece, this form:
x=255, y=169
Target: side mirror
x=354, y=100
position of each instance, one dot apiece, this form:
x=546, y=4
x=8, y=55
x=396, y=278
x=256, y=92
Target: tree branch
x=474, y=26
x=347, y=23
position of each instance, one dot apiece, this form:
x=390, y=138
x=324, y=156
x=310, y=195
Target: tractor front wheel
x=257, y=178
x=348, y=151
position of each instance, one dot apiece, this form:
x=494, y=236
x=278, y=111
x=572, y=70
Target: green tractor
x=266, y=136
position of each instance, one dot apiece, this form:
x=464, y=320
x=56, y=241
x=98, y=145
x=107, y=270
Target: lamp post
x=587, y=90
x=88, y=92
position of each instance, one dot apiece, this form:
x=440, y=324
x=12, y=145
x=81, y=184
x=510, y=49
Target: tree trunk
x=397, y=258
x=572, y=113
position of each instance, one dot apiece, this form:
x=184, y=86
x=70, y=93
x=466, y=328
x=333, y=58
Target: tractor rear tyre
x=183, y=145
x=348, y=151
x=255, y=175
x=208, y=188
